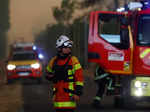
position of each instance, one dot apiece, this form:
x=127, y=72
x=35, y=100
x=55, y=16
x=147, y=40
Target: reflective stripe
x=79, y=83
x=64, y=104
x=69, y=72
x=71, y=87
x=110, y=85
x=77, y=66
x=71, y=84
x=101, y=76
x=71, y=77
x=97, y=71
x=144, y=53
x=49, y=69
x=73, y=70
x=97, y=98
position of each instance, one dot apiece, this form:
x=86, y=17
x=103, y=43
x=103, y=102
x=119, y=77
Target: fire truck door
x=112, y=42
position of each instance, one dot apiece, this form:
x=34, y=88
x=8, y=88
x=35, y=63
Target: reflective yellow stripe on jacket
x=64, y=104
x=71, y=87
x=76, y=67
x=49, y=69
x=144, y=53
x=79, y=83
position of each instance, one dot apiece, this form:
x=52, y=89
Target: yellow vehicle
x=23, y=62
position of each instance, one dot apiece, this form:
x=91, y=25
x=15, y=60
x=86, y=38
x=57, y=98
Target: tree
x=64, y=14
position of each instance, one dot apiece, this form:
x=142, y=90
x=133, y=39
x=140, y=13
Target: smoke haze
x=28, y=17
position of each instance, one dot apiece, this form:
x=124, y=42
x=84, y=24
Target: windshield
x=143, y=30
x=24, y=56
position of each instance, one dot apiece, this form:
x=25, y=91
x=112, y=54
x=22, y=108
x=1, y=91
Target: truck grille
x=23, y=67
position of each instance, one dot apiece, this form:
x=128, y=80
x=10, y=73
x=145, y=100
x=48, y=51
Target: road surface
x=37, y=99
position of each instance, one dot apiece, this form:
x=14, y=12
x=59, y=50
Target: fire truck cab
x=23, y=62
x=119, y=43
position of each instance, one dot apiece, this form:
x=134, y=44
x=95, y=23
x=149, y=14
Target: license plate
x=23, y=74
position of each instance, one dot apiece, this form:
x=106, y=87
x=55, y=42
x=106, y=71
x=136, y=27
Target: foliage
x=64, y=13
x=87, y=3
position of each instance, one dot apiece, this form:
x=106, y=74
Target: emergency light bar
x=41, y=56
x=23, y=45
x=34, y=47
x=146, y=4
x=121, y=9
x=135, y=5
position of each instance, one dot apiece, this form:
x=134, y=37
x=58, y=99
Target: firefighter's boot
x=110, y=87
x=97, y=103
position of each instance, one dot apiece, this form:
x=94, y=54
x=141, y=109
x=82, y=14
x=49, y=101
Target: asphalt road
x=37, y=98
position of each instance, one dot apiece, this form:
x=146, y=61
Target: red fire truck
x=23, y=62
x=119, y=42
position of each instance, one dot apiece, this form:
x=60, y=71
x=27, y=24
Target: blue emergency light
x=146, y=4
x=41, y=56
x=34, y=47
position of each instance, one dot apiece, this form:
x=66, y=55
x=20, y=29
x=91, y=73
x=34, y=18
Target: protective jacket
x=67, y=80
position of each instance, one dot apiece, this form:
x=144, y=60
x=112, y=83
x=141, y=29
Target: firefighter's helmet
x=63, y=41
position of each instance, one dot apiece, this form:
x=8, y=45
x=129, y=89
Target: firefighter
x=65, y=71
x=104, y=81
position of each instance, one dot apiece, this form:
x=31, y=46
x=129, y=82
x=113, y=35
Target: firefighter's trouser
x=108, y=82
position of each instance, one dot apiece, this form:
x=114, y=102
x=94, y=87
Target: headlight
x=138, y=92
x=11, y=67
x=138, y=84
x=35, y=66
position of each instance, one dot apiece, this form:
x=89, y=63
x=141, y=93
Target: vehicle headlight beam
x=11, y=67
x=138, y=84
x=35, y=65
x=138, y=92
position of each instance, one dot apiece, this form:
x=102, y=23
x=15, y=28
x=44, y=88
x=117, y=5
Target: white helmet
x=63, y=41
